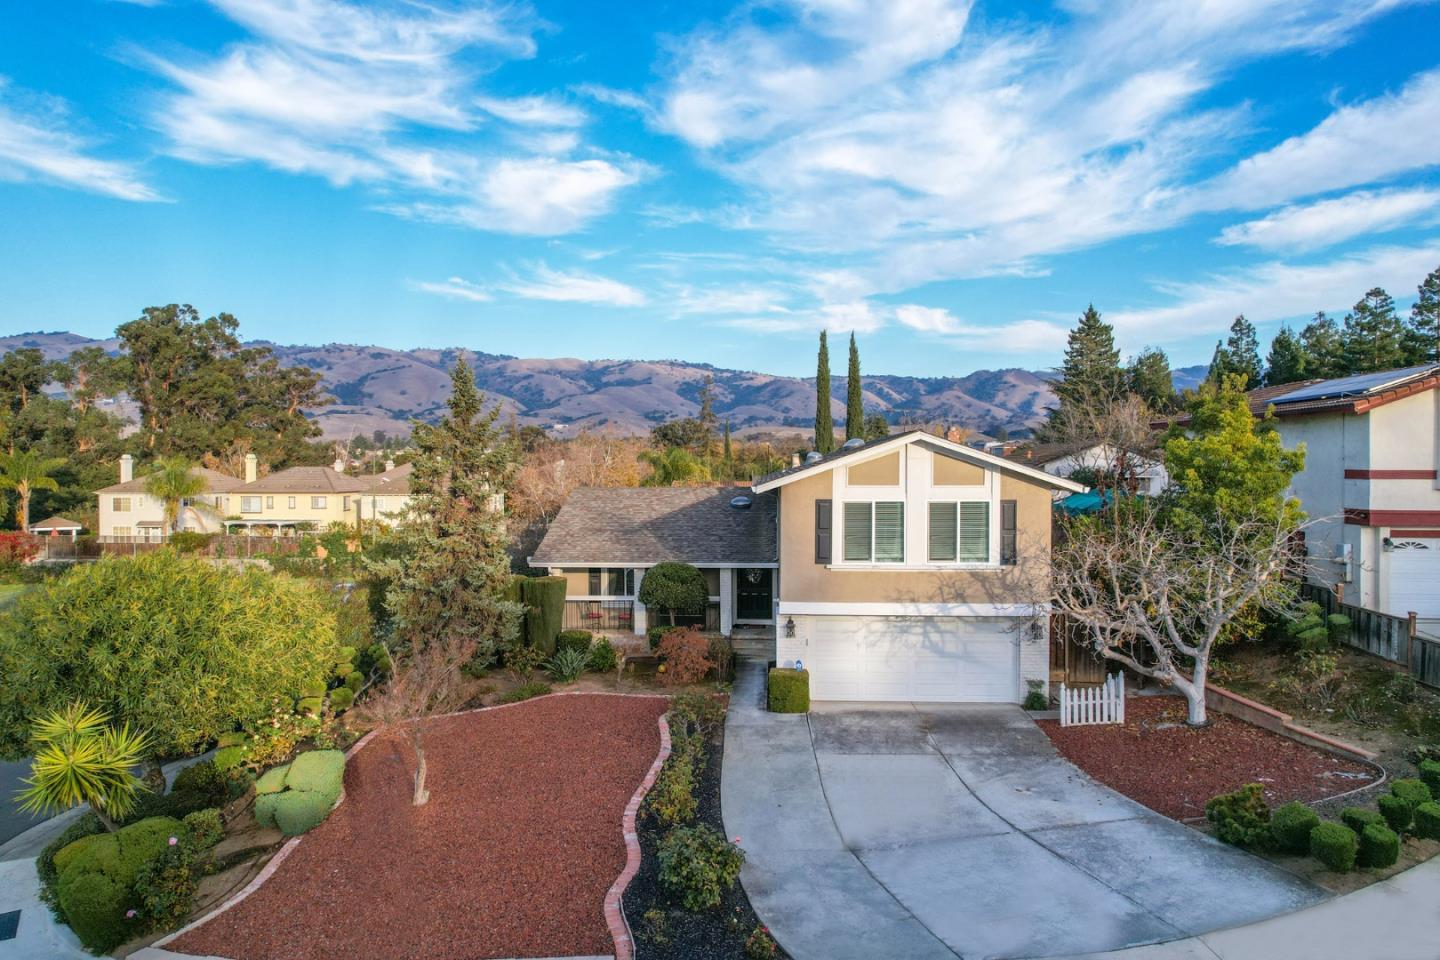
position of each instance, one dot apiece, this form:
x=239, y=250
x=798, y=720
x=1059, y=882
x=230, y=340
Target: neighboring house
x=1372, y=451
x=56, y=527
x=280, y=504
x=911, y=568
x=1062, y=460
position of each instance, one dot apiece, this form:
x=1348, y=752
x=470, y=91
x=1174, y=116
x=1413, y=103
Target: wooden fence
x=1384, y=635
x=1072, y=659
x=1091, y=705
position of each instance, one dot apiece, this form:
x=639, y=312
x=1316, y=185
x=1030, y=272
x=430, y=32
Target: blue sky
x=716, y=182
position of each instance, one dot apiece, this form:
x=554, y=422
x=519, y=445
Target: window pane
x=975, y=532
x=857, y=531
x=890, y=532
x=942, y=531
x=614, y=582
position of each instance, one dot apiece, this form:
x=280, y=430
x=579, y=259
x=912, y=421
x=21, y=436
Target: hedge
x=1430, y=774
x=1397, y=812
x=1379, y=847
x=1290, y=825
x=96, y=877
x=298, y=796
x=1427, y=821
x=1412, y=791
x=789, y=690
x=1335, y=846
x=574, y=640
x=1358, y=818
x=544, y=599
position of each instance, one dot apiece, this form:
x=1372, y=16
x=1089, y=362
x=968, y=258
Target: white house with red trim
x=1372, y=456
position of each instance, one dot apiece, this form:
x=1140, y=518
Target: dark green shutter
x=824, y=518
x=942, y=532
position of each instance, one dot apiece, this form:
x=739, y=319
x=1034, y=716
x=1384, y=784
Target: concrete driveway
x=942, y=831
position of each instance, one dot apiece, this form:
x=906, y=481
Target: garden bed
x=1156, y=760
x=662, y=929
x=512, y=856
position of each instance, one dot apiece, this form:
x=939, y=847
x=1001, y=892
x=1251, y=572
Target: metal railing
x=599, y=615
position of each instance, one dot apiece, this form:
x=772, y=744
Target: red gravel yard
x=1173, y=769
x=511, y=857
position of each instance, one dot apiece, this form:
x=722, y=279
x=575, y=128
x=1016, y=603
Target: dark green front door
x=753, y=594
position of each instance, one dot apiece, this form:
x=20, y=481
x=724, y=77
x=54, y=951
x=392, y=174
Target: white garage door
x=960, y=660
x=1415, y=578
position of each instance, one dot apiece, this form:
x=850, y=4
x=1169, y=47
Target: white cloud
x=859, y=316
x=36, y=143
x=534, y=111
x=1328, y=222
x=1274, y=291
x=1021, y=337
x=454, y=288
x=574, y=287
x=545, y=196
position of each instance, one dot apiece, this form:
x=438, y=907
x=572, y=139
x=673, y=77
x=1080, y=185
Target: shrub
x=523, y=661
x=760, y=945
x=525, y=691
x=94, y=907
x=165, y=888
x=544, y=599
x=567, y=664
x=1338, y=626
x=789, y=691
x=204, y=781
x=1430, y=775
x=656, y=634
x=354, y=680
x=686, y=656
x=672, y=799
x=319, y=771
x=1290, y=827
x=602, y=656
x=342, y=699
x=722, y=655
x=697, y=713
x=1358, y=818
x=297, y=811
x=1397, y=812
x=1427, y=821
x=204, y=829
x=1036, y=700
x=232, y=739
x=1334, y=846
x=310, y=705
x=85, y=825
x=574, y=640
x=1242, y=817
x=96, y=878
x=1379, y=847
x=272, y=780
x=188, y=541
x=698, y=865
x=673, y=587
x=1414, y=792
x=228, y=758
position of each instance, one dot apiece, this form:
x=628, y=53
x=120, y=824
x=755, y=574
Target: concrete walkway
x=945, y=831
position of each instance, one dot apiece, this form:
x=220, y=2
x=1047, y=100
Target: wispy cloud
x=36, y=143
x=533, y=111
x=455, y=288
x=574, y=287
x=1329, y=222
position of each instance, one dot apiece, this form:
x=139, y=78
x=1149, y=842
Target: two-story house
x=912, y=568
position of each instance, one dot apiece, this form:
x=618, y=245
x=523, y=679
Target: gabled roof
x=647, y=525
x=1359, y=393
x=394, y=482
x=56, y=523
x=215, y=482
x=306, y=480
x=959, y=450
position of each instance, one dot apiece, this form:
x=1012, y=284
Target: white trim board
x=902, y=609
x=646, y=564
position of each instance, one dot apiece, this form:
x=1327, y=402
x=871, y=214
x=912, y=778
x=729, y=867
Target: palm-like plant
x=673, y=466
x=25, y=472
x=173, y=481
x=80, y=758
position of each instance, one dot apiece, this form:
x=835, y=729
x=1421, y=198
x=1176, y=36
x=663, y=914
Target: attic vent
x=813, y=456
x=854, y=443
x=740, y=503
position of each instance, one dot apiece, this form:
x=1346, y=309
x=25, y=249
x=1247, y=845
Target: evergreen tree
x=1373, y=338
x=1148, y=377
x=1324, y=348
x=1422, y=333
x=729, y=456
x=1243, y=351
x=824, y=425
x=876, y=427
x=1287, y=361
x=1092, y=362
x=854, y=401
x=449, y=581
x=1220, y=365
x=707, y=416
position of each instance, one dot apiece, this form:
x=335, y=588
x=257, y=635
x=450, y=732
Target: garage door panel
x=932, y=660
x=1415, y=578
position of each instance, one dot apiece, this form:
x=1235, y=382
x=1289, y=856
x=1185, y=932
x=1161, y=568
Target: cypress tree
x=824, y=425
x=1242, y=350
x=1092, y=362
x=728, y=455
x=1422, y=333
x=1287, y=362
x=854, y=401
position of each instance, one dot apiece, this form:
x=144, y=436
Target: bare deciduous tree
x=1155, y=599
x=1111, y=434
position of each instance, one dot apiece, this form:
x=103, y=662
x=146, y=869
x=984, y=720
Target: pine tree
x=1148, y=377
x=1220, y=365
x=824, y=425
x=1374, y=337
x=1324, y=348
x=854, y=401
x=1422, y=333
x=1287, y=361
x=1092, y=362
x=1243, y=351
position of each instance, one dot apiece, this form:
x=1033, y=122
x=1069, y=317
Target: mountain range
x=378, y=388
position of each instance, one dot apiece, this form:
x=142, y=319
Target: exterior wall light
x=790, y=628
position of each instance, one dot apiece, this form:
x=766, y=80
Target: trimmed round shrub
x=1412, y=791
x=355, y=680
x=342, y=699
x=698, y=865
x=1241, y=817
x=1430, y=775
x=87, y=824
x=1358, y=818
x=232, y=739
x=298, y=811
x=1335, y=846
x=313, y=689
x=318, y=771
x=272, y=780
x=204, y=828
x=603, y=658
x=345, y=655
x=1379, y=847
x=1290, y=826
x=97, y=876
x=94, y=905
x=1397, y=812
x=789, y=690
x=310, y=705
x=674, y=587
x=1427, y=821
x=574, y=640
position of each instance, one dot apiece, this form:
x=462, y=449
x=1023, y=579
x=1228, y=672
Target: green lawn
x=9, y=591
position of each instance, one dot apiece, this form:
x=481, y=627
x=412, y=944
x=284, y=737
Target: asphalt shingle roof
x=215, y=482
x=644, y=525
x=306, y=480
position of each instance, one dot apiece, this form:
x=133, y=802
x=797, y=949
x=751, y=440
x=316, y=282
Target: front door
x=753, y=594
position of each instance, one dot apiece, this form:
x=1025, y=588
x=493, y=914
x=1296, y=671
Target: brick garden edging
x=1277, y=721
x=614, y=915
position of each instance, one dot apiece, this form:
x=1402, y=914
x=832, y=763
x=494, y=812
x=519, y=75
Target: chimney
x=127, y=468
x=955, y=435
x=390, y=465
x=794, y=459
x=252, y=467
x=339, y=465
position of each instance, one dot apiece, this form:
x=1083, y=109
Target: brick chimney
x=127, y=468
x=794, y=459
x=955, y=435
x=252, y=467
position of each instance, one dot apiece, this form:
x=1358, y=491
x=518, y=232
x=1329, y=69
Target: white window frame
x=318, y=503
x=991, y=560
x=251, y=504
x=269, y=503
x=291, y=504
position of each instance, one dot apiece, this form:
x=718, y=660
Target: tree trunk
x=24, y=512
x=154, y=777
x=417, y=744
x=104, y=819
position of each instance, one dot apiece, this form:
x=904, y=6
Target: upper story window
x=120, y=505
x=959, y=532
x=291, y=504
x=874, y=532
x=317, y=503
x=345, y=504
x=250, y=504
x=269, y=503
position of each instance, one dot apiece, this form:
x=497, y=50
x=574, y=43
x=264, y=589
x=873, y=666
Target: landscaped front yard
x=512, y=856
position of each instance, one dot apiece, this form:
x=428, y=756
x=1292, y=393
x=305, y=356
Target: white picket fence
x=1089, y=705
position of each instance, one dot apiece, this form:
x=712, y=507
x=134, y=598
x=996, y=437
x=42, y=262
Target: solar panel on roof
x=1359, y=384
